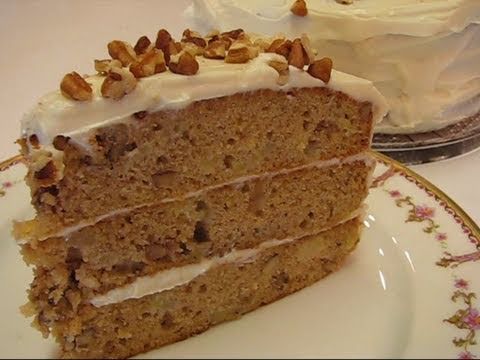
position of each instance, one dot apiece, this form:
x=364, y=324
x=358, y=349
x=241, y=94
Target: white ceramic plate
x=407, y=291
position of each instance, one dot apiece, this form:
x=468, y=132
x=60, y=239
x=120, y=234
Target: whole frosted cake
x=187, y=183
x=422, y=55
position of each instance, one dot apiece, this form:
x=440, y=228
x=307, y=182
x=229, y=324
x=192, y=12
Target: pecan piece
x=299, y=8
x=215, y=50
x=238, y=53
x=118, y=83
x=163, y=39
x=183, y=63
x=193, y=37
x=104, y=66
x=151, y=63
x=121, y=50
x=233, y=34
x=296, y=57
x=321, y=69
x=74, y=87
x=142, y=45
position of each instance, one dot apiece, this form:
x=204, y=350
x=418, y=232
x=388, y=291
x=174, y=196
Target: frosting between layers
x=67, y=231
x=171, y=278
x=422, y=55
x=57, y=115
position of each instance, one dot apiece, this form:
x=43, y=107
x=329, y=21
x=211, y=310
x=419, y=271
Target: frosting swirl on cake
x=422, y=55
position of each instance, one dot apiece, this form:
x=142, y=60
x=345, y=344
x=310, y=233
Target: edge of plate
x=439, y=193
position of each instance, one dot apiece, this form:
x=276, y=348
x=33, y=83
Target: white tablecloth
x=42, y=40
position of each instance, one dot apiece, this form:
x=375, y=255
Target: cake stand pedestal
x=431, y=146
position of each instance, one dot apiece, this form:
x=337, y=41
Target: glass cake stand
x=431, y=146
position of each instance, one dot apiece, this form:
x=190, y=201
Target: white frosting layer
x=422, y=55
x=171, y=278
x=55, y=114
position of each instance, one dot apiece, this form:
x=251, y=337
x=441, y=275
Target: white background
x=41, y=40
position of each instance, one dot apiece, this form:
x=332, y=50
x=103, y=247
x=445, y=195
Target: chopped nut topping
x=282, y=69
x=299, y=8
x=241, y=51
x=215, y=50
x=238, y=53
x=151, y=63
x=321, y=69
x=142, y=45
x=284, y=49
x=60, y=142
x=344, y=2
x=193, y=37
x=33, y=139
x=171, y=49
x=183, y=63
x=191, y=48
x=163, y=39
x=296, y=57
x=121, y=50
x=118, y=83
x=104, y=66
x=261, y=44
x=233, y=34
x=309, y=52
x=74, y=87
x=275, y=45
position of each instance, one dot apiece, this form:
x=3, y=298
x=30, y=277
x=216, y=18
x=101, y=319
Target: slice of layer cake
x=188, y=183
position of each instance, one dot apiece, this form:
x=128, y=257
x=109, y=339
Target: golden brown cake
x=188, y=183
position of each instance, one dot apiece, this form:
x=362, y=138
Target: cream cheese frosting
x=57, y=115
x=421, y=54
x=177, y=276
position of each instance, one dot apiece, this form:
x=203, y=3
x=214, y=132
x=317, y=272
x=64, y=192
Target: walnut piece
x=183, y=63
x=142, y=45
x=215, y=50
x=74, y=87
x=121, y=50
x=118, y=83
x=299, y=8
x=153, y=62
x=321, y=69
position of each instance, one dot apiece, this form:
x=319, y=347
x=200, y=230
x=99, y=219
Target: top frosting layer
x=57, y=115
x=366, y=18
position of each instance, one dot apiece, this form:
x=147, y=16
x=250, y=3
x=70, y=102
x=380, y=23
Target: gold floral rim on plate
x=399, y=167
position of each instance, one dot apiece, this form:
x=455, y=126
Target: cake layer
x=170, y=153
x=222, y=293
x=117, y=250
